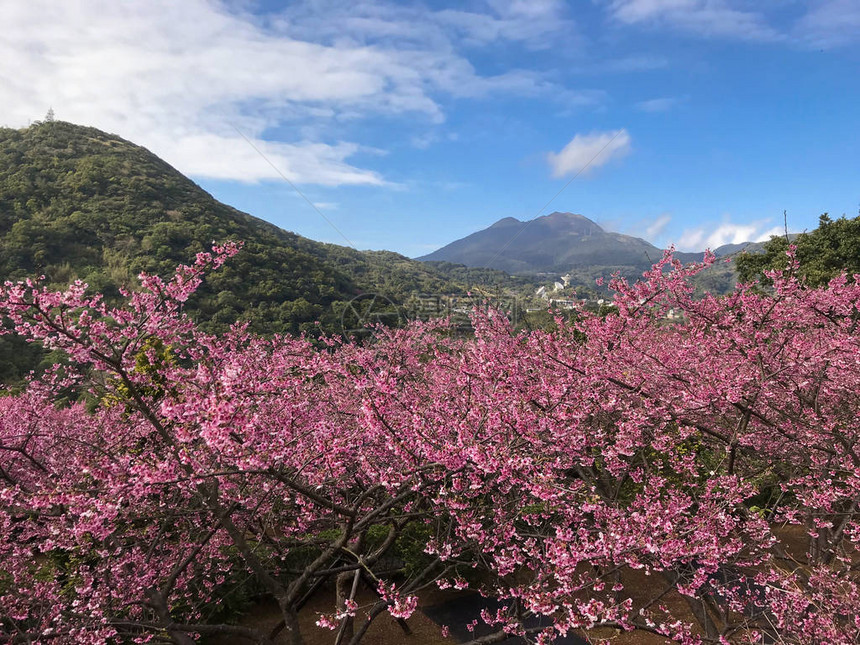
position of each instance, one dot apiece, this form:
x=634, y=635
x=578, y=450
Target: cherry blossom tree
x=162, y=468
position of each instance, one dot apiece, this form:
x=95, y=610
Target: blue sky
x=411, y=124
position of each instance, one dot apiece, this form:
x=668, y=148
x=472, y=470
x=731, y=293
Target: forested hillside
x=823, y=253
x=558, y=242
x=623, y=480
x=76, y=202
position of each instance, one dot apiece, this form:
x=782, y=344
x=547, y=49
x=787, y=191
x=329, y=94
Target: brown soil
x=386, y=631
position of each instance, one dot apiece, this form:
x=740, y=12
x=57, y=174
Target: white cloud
x=830, y=23
x=705, y=237
x=821, y=23
x=657, y=226
x=225, y=157
x=769, y=233
x=181, y=77
x=713, y=18
x=662, y=104
x=425, y=140
x=588, y=151
x=537, y=24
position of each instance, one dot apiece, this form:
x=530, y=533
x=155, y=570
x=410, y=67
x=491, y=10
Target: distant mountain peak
x=556, y=220
x=506, y=221
x=555, y=242
x=559, y=215
x=573, y=222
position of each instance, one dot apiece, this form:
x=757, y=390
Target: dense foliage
x=78, y=203
x=823, y=253
x=719, y=456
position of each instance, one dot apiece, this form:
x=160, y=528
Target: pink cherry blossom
x=716, y=457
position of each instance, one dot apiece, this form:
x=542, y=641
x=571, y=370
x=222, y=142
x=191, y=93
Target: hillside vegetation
x=558, y=242
x=695, y=482
x=823, y=253
x=76, y=202
x=567, y=243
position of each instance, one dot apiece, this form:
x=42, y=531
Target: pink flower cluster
x=717, y=457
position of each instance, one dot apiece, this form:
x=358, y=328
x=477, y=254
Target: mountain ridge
x=76, y=202
x=79, y=203
x=557, y=243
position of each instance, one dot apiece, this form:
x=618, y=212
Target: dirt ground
x=383, y=631
x=386, y=631
x=441, y=605
x=437, y=604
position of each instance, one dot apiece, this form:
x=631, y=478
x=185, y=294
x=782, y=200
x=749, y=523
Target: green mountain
x=823, y=253
x=567, y=243
x=76, y=202
x=557, y=242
